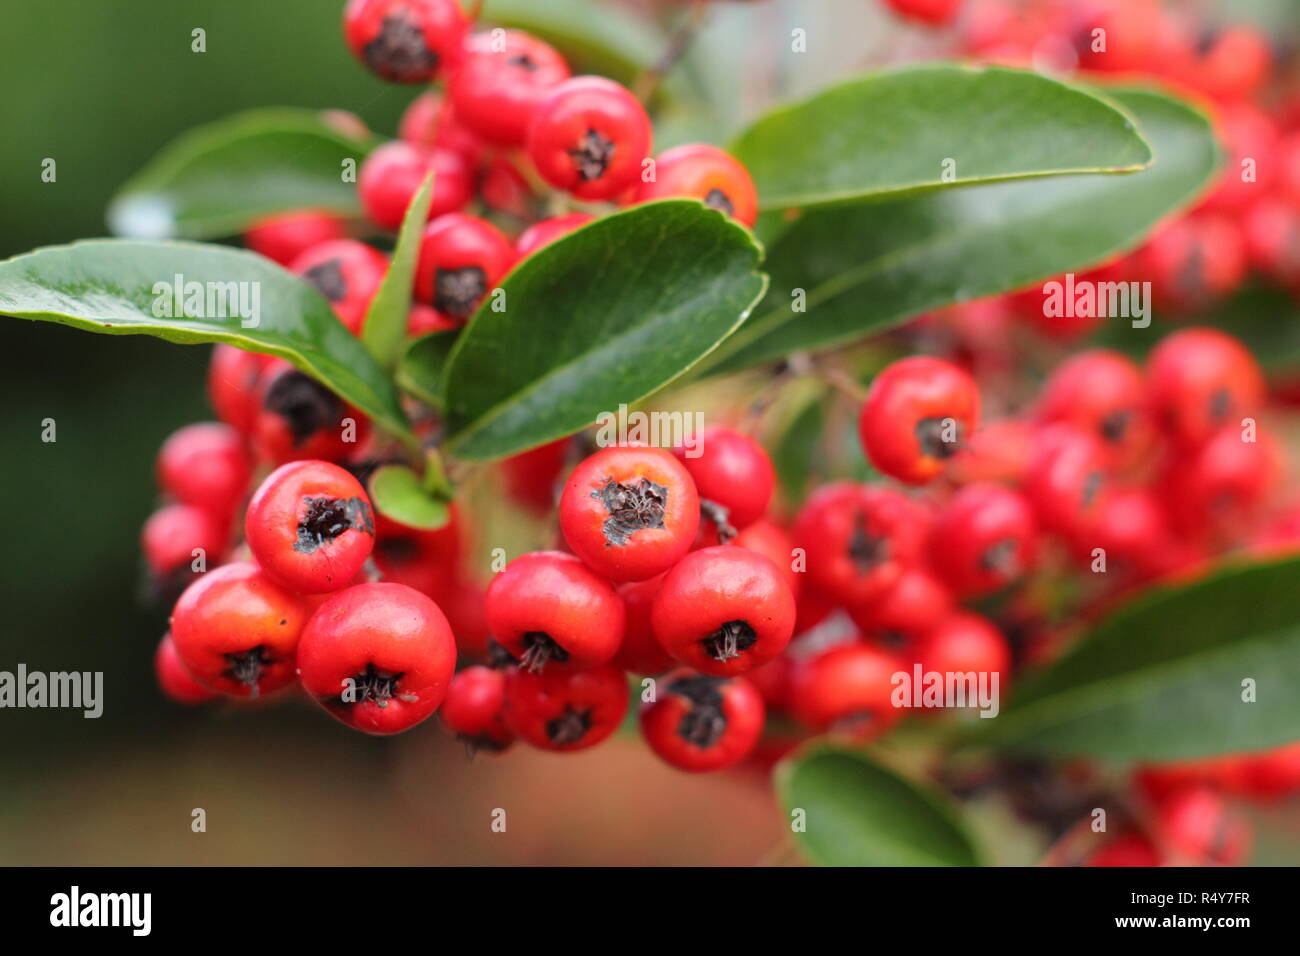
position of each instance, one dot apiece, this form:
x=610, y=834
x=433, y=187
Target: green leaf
x=218, y=178
x=795, y=454
x=603, y=38
x=606, y=315
x=115, y=285
x=384, y=330
x=1162, y=678
x=420, y=371
x=859, y=813
x=869, y=266
x=895, y=132
x=397, y=492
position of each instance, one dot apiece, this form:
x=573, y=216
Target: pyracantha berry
x=378, y=657
x=430, y=121
x=206, y=465
x=931, y=12
x=1201, y=379
x=641, y=652
x=983, y=539
x=1067, y=481
x=504, y=189
x=421, y=558
x=771, y=541
x=733, y=476
x=473, y=709
x=234, y=380
x=918, y=413
x=1102, y=392
x=462, y=258
x=846, y=688
x=565, y=709
x=174, y=680
x=299, y=419
x=1199, y=826
x=700, y=171
x=1219, y=489
x=405, y=41
x=347, y=273
x=701, y=723
x=175, y=537
x=898, y=619
x=965, y=642
x=547, y=231
x=391, y=175
x=532, y=478
x=503, y=77
x=284, y=237
x=1193, y=261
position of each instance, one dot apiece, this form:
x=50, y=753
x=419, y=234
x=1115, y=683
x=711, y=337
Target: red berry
x=1101, y=392
x=504, y=76
x=546, y=606
x=1250, y=138
x=234, y=377
x=1272, y=233
x=641, y=652
x=917, y=414
x=1132, y=530
x=172, y=535
x=462, y=258
x=1199, y=826
x=543, y=233
x=473, y=709
x=1201, y=379
x=1193, y=261
x=424, y=559
x=391, y=175
x=912, y=606
x=1219, y=488
x=206, y=465
x=963, y=643
x=1068, y=481
x=630, y=512
x=378, y=657
x=301, y=419
x=173, y=679
x=285, y=236
x=858, y=539
x=431, y=121
x=1234, y=64
x=984, y=539
x=532, y=477
x=723, y=611
x=565, y=709
x=769, y=540
x=701, y=723
x=237, y=631
x=700, y=171
x=589, y=136
x=310, y=526
x=847, y=688
x=503, y=188
x=1126, y=849
x=347, y=273
x=931, y=12
x=405, y=41
x=733, y=476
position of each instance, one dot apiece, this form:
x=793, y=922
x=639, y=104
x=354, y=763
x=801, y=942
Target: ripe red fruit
x=347, y=273
x=641, y=652
x=503, y=188
x=733, y=476
x=378, y=657
x=172, y=535
x=237, y=631
x=1272, y=233
x=565, y=709
x=504, y=76
x=917, y=414
x=858, y=539
x=931, y=12
x=1198, y=825
x=1201, y=379
x=723, y=611
x=532, y=478
x=999, y=451
x=1067, y=482
x=1126, y=849
x=424, y=559
x=431, y=121
x=174, y=680
x=1193, y=261
x=1132, y=529
x=589, y=137
x=1219, y=488
x=234, y=377
x=310, y=526
x=391, y=175
x=461, y=260
x=284, y=237
x=301, y=419
x=547, y=231
x=405, y=41
x=846, y=688
x=472, y=709
x=897, y=620
x=769, y=540
x=700, y=723
x=983, y=539
x=1233, y=63
x=630, y=512
x=206, y=465
x=965, y=642
x=546, y=606
x=1101, y=392
x=700, y=171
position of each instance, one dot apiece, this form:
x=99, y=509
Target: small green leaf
x=397, y=492
x=217, y=179
x=606, y=39
x=605, y=315
x=420, y=371
x=116, y=285
x=857, y=812
x=385, y=325
x=931, y=126
x=1163, y=678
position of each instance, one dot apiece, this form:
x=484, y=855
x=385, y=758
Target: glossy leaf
x=932, y=126
x=857, y=812
x=397, y=492
x=605, y=315
x=117, y=285
x=216, y=179
x=420, y=370
x=385, y=323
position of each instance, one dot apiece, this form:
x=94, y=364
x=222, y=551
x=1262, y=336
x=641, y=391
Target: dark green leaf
x=1162, y=678
x=872, y=265
x=859, y=813
x=421, y=370
x=115, y=286
x=795, y=453
x=606, y=315
x=217, y=179
x=385, y=323
x=931, y=126
x=397, y=493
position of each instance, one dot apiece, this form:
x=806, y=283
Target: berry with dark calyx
x=630, y=512
x=918, y=413
x=1193, y=262
x=733, y=475
x=503, y=77
x=285, y=236
x=543, y=233
x=703, y=172
x=963, y=643
x=700, y=723
x=723, y=611
x=472, y=709
x=589, y=137
x=405, y=41
x=847, y=689
x=310, y=526
x=564, y=710
x=641, y=652
x=1102, y=392
x=236, y=630
x=430, y=121
x=1219, y=489
x=1068, y=481
x=771, y=541
x=174, y=538
x=174, y=680
x=422, y=558
x=206, y=465
x=301, y=419
x=347, y=273
x=391, y=175
x=234, y=380
x=984, y=539
x=548, y=610
x=1199, y=826
x=378, y=657
x=902, y=615
x=1201, y=379
x=462, y=258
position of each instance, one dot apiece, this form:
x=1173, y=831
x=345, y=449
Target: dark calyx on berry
x=327, y=518
x=398, y=548
x=1220, y=403
x=1091, y=486
x=866, y=551
x=729, y=640
x=631, y=508
x=305, y=405
x=538, y=649
x=399, y=49
x=704, y=723
x=592, y=155
x=1115, y=425
x=721, y=519
x=246, y=666
x=457, y=291
x=523, y=61
x=374, y=685
x=328, y=279
x=938, y=437
x=570, y=727
x=717, y=199
x=1000, y=558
